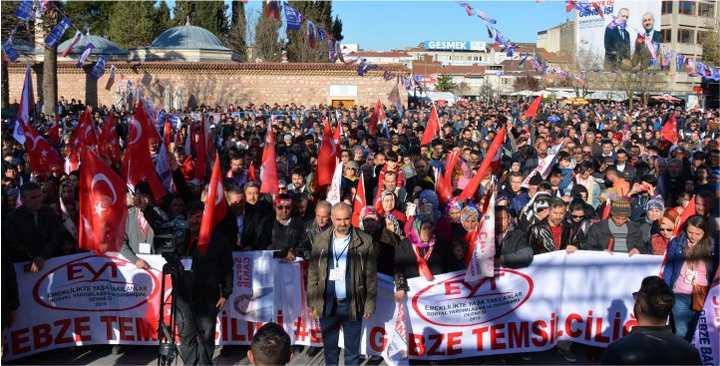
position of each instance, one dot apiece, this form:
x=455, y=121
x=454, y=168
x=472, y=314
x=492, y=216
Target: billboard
x=614, y=32
x=455, y=45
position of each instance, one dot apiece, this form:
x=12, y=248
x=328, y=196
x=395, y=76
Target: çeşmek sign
x=455, y=45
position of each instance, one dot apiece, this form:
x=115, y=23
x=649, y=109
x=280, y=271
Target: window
x=706, y=10
x=667, y=7
x=687, y=7
x=686, y=36
x=665, y=35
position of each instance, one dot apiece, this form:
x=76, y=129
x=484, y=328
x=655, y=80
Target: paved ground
x=236, y=355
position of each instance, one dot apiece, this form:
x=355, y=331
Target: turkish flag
x=669, y=129
x=138, y=165
x=533, y=108
x=444, y=186
x=326, y=157
x=252, y=175
x=378, y=114
x=54, y=132
x=432, y=128
x=44, y=159
x=167, y=132
x=268, y=171
x=359, y=202
x=688, y=211
x=103, y=207
x=215, y=207
x=109, y=142
x=605, y=214
x=485, y=166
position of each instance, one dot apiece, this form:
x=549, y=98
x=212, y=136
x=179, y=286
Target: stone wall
x=206, y=83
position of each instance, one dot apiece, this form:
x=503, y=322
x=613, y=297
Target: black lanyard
x=337, y=258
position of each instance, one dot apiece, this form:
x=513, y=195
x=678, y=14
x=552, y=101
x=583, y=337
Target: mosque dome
x=103, y=46
x=188, y=37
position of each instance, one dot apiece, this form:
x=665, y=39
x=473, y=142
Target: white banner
x=707, y=334
x=585, y=297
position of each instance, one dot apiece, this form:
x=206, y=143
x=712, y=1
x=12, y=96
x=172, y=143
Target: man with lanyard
x=342, y=284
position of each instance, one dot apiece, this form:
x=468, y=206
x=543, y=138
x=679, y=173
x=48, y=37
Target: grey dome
x=188, y=37
x=103, y=46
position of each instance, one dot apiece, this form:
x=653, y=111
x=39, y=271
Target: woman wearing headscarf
x=385, y=234
x=387, y=206
x=420, y=254
x=691, y=262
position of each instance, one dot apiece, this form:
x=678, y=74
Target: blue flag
x=9, y=50
x=679, y=61
x=24, y=10
x=293, y=18
x=89, y=47
x=321, y=34
x=99, y=69
x=56, y=34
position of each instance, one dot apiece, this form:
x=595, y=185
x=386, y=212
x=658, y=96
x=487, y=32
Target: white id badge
x=144, y=248
x=337, y=274
x=186, y=263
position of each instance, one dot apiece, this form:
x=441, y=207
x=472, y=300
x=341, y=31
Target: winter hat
x=620, y=207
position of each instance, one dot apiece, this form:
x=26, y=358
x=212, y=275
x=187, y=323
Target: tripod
x=167, y=350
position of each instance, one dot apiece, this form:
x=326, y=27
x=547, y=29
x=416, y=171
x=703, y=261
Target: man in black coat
x=617, y=39
x=512, y=249
x=652, y=341
x=30, y=233
x=618, y=233
x=288, y=232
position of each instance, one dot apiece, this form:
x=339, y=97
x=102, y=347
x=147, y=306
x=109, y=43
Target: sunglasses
x=666, y=229
x=283, y=207
x=578, y=217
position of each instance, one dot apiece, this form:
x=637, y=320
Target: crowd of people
x=613, y=183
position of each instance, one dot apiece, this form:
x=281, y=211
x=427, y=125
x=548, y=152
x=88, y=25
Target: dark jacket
x=363, y=267
x=651, y=346
x=288, y=237
x=23, y=240
x=212, y=273
x=676, y=256
x=441, y=261
x=541, y=240
x=617, y=48
x=513, y=250
x=575, y=233
x=257, y=225
x=599, y=236
x=10, y=293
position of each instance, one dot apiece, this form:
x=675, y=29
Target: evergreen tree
x=267, y=46
x=93, y=16
x=133, y=24
x=337, y=29
x=211, y=16
x=320, y=13
x=162, y=17
x=181, y=11
x=235, y=37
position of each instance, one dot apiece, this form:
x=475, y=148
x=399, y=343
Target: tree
x=337, y=28
x=526, y=83
x=711, y=45
x=636, y=79
x=487, y=91
x=235, y=37
x=93, y=16
x=445, y=83
x=211, y=16
x=162, y=17
x=267, y=46
x=320, y=13
x=132, y=23
x=23, y=31
x=50, y=19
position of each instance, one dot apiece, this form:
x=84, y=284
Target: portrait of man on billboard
x=647, y=43
x=617, y=39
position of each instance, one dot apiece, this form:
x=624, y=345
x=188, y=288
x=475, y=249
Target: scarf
x=417, y=244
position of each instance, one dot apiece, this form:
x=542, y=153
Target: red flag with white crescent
x=102, y=205
x=443, y=186
x=484, y=168
x=44, y=159
x=359, y=202
x=377, y=116
x=109, y=142
x=326, y=157
x=432, y=128
x=669, y=129
x=215, y=207
x=268, y=170
x=27, y=102
x=138, y=165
